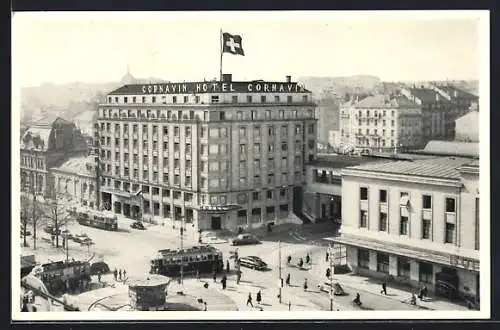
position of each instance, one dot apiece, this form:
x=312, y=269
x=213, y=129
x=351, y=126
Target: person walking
x=120, y=274
x=305, y=284
x=326, y=256
x=288, y=260
x=328, y=273
x=259, y=297
x=384, y=288
x=223, y=281
x=115, y=274
x=301, y=263
x=308, y=258
x=99, y=276
x=238, y=277
x=424, y=291
x=227, y=266
x=249, y=299
x=287, y=280
x=124, y=274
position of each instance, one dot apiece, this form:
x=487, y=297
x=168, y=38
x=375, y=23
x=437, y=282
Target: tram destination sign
x=212, y=87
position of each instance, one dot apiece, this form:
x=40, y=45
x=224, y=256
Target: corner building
x=217, y=154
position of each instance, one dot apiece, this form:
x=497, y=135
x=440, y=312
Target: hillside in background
x=339, y=86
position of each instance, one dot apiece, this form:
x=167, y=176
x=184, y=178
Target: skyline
x=98, y=47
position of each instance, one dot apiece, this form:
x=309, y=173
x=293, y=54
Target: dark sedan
x=253, y=262
x=244, y=239
x=137, y=225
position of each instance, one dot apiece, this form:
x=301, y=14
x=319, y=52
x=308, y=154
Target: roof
x=76, y=165
x=452, y=148
x=341, y=161
x=203, y=87
x=50, y=119
x=461, y=94
x=385, y=101
x=427, y=95
x=442, y=167
x=150, y=280
x=36, y=138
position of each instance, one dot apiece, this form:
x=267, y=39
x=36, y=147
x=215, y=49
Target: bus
x=94, y=218
x=202, y=259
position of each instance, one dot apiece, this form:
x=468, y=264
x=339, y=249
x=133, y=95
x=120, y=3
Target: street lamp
x=331, y=276
x=280, y=278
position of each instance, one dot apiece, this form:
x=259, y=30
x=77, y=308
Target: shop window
x=425, y=274
x=382, y=263
x=403, y=267
x=363, y=258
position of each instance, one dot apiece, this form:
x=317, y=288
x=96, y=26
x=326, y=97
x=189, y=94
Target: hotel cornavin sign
x=212, y=87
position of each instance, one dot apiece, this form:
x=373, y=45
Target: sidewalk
x=394, y=291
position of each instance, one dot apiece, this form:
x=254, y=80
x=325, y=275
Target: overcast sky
x=96, y=47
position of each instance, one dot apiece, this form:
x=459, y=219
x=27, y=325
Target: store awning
x=408, y=252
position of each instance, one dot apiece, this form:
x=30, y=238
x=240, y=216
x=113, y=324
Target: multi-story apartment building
x=382, y=122
x=467, y=127
x=416, y=222
x=44, y=144
x=220, y=154
x=327, y=114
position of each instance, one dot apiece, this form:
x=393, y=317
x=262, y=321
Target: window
x=425, y=274
x=426, y=229
x=363, y=258
x=256, y=148
x=363, y=219
x=256, y=180
x=383, y=263
x=363, y=191
x=304, y=98
x=289, y=99
x=214, y=132
x=403, y=225
x=262, y=99
x=243, y=131
x=269, y=194
x=450, y=233
x=284, y=146
x=186, y=99
x=215, y=98
x=277, y=98
x=450, y=204
x=270, y=147
x=403, y=267
x=243, y=150
x=382, y=225
x=383, y=196
x=267, y=114
x=234, y=99
x=270, y=131
x=255, y=196
x=254, y=115
x=188, y=131
x=222, y=115
x=249, y=98
x=427, y=202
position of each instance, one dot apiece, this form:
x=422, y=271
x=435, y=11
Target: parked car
x=244, y=239
x=87, y=241
x=253, y=262
x=137, y=225
x=79, y=238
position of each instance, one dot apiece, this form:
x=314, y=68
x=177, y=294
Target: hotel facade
x=416, y=222
x=219, y=154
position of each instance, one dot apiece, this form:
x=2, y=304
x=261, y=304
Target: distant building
x=47, y=143
x=451, y=148
x=327, y=114
x=76, y=178
x=417, y=222
x=467, y=127
x=382, y=122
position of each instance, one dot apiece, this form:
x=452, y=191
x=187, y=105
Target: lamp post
x=280, y=278
x=181, y=232
x=331, y=276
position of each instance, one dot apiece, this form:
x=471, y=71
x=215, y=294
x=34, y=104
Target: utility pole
x=280, y=278
x=331, y=275
x=182, y=248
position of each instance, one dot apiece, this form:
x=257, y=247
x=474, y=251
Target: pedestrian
x=326, y=256
x=214, y=276
x=301, y=263
x=115, y=273
x=328, y=273
x=227, y=266
x=287, y=281
x=205, y=305
x=259, y=297
x=249, y=299
x=223, y=281
x=99, y=276
x=238, y=277
x=424, y=291
x=420, y=293
x=124, y=274
x=289, y=259
x=308, y=259
x=384, y=288
x=120, y=274
x=305, y=284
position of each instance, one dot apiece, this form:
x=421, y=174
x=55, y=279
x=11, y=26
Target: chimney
x=227, y=77
x=288, y=79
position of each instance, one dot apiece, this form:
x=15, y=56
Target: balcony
x=176, y=138
x=176, y=154
x=177, y=170
x=165, y=153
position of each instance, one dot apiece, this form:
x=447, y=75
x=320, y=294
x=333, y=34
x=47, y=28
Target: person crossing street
x=249, y=299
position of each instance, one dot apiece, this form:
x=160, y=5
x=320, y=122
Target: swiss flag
x=232, y=44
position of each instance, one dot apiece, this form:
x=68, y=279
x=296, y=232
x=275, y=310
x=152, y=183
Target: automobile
x=253, y=262
x=79, y=238
x=244, y=239
x=137, y=225
x=87, y=241
x=51, y=230
x=67, y=234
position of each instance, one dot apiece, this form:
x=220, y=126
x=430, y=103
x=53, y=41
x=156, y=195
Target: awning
x=408, y=252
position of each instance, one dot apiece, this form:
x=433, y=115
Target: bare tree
x=30, y=214
x=57, y=216
x=25, y=217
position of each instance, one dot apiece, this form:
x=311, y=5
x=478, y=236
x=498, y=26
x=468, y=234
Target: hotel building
x=416, y=222
x=218, y=154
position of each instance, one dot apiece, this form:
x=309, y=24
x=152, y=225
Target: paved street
x=132, y=249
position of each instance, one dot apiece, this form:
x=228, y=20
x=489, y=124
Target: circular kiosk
x=149, y=293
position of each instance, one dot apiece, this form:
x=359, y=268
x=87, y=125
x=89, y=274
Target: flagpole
x=221, y=52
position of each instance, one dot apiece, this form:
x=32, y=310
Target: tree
x=57, y=215
x=25, y=217
x=30, y=214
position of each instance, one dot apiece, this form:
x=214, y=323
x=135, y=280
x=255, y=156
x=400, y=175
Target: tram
x=93, y=218
x=202, y=259
x=62, y=277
